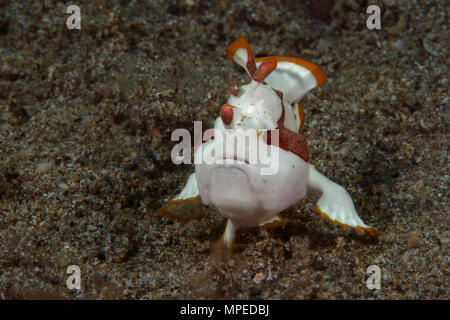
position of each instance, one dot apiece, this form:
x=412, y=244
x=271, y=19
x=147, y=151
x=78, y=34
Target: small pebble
x=259, y=277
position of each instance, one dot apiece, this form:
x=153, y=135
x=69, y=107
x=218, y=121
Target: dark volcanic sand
x=85, y=123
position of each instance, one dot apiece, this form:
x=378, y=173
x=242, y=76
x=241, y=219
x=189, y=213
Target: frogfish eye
x=226, y=113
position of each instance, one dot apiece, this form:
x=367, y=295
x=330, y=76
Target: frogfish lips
x=232, y=190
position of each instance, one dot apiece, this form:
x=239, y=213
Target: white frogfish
x=252, y=193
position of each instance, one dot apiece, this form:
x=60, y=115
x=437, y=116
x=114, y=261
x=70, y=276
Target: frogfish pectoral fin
x=335, y=204
x=187, y=205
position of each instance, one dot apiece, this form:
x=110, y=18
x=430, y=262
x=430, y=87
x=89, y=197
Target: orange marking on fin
x=314, y=68
x=301, y=114
x=277, y=223
x=241, y=42
x=166, y=212
x=371, y=230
